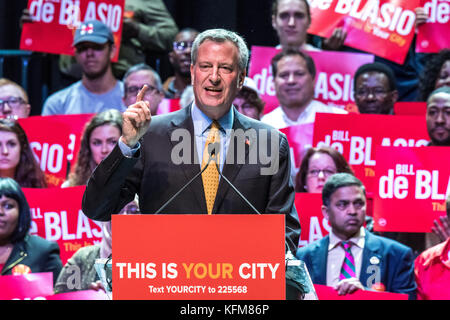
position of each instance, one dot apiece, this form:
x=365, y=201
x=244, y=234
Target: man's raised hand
x=136, y=119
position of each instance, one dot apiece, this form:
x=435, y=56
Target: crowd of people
x=126, y=99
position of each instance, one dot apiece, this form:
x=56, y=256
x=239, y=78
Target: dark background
x=250, y=18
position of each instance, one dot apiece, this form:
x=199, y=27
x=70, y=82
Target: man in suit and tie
x=350, y=257
x=156, y=160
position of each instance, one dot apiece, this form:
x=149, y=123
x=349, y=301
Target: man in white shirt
x=294, y=75
x=351, y=258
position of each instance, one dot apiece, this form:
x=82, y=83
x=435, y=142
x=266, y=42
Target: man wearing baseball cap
x=98, y=89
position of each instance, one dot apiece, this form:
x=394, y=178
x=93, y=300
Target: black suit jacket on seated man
x=154, y=176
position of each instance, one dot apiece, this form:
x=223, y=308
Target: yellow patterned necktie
x=210, y=176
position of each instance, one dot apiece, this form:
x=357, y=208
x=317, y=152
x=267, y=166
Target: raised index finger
x=141, y=93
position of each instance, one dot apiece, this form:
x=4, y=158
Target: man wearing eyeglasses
x=180, y=58
x=375, y=89
x=138, y=76
x=98, y=89
x=13, y=100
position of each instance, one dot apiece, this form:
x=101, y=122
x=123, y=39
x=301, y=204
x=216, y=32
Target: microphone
x=211, y=154
x=229, y=182
x=213, y=150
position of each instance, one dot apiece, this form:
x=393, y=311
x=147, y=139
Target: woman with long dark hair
x=100, y=135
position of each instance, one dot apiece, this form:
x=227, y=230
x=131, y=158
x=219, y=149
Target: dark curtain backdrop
x=250, y=18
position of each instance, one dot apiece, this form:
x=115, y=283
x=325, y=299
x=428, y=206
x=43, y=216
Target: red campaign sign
x=432, y=36
x=199, y=257
x=314, y=225
x=356, y=136
x=329, y=293
x=80, y=295
x=55, y=140
x=168, y=105
x=56, y=216
x=300, y=139
x=334, y=81
x=411, y=187
x=382, y=27
x=76, y=122
x=27, y=286
x=410, y=108
x=59, y=20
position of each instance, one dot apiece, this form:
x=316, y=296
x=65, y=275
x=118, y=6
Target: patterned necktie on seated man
x=348, y=266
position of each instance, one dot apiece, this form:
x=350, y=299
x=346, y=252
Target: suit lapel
x=371, y=257
x=184, y=121
x=319, y=261
x=232, y=166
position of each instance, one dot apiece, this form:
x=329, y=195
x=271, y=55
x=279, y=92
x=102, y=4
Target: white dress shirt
x=277, y=118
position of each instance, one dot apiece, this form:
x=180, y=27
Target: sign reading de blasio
x=412, y=184
x=198, y=257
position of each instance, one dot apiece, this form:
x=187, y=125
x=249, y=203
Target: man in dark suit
x=350, y=257
x=157, y=160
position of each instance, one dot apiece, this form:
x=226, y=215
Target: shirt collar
x=303, y=115
x=358, y=239
x=202, y=122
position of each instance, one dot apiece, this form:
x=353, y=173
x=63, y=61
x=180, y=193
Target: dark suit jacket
x=155, y=177
x=395, y=262
x=37, y=253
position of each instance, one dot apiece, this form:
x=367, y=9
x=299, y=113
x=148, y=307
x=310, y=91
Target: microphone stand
x=185, y=186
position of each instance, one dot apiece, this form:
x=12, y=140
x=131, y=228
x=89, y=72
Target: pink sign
x=168, y=105
x=334, y=81
x=382, y=27
x=27, y=286
x=314, y=225
x=80, y=295
x=300, y=139
x=55, y=141
x=432, y=36
x=356, y=136
x=412, y=184
x=329, y=293
x=56, y=216
x=410, y=108
x=59, y=20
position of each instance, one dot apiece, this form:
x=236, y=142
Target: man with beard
x=180, y=58
x=98, y=89
x=438, y=117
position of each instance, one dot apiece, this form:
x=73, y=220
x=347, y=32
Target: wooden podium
x=198, y=257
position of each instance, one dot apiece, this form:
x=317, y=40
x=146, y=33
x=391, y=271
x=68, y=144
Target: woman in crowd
x=248, y=101
x=317, y=166
x=16, y=158
x=436, y=74
x=100, y=136
x=21, y=253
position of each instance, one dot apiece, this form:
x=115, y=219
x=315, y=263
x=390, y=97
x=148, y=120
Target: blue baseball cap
x=93, y=31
